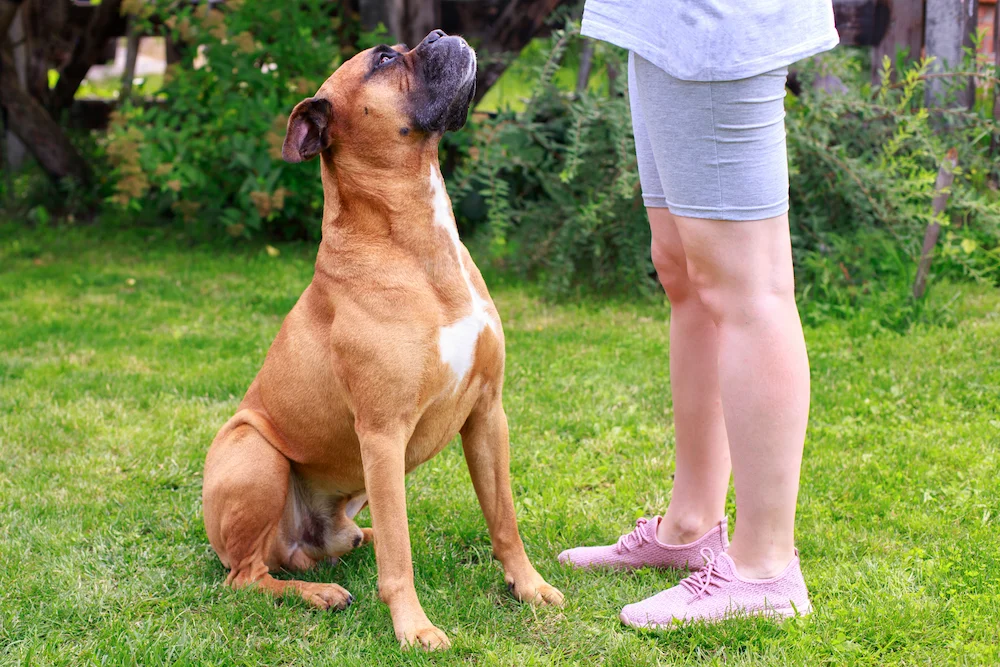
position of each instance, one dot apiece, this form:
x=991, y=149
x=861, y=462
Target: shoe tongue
x=651, y=527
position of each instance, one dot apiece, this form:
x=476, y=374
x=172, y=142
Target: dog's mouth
x=449, y=67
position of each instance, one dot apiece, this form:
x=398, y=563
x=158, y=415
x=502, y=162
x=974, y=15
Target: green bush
x=209, y=151
x=863, y=170
x=560, y=187
x=560, y=183
x=553, y=188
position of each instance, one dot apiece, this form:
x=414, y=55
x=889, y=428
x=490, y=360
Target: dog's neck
x=365, y=199
x=405, y=206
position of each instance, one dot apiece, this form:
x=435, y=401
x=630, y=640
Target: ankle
x=765, y=564
x=685, y=529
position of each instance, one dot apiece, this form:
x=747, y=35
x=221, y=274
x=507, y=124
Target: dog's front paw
x=427, y=638
x=326, y=596
x=537, y=592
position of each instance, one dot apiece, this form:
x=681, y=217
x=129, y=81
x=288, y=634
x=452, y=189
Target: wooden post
x=946, y=174
x=995, y=141
x=862, y=22
x=948, y=30
x=905, y=31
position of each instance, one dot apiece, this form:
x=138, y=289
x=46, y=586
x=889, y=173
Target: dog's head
x=386, y=99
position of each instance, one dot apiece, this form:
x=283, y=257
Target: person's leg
x=691, y=522
x=742, y=273
x=701, y=458
x=720, y=151
x=701, y=474
x=701, y=477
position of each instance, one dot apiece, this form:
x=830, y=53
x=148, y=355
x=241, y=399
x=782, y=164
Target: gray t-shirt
x=714, y=40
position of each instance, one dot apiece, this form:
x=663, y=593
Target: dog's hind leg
x=351, y=509
x=245, y=489
x=485, y=441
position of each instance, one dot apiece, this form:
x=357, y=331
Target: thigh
x=649, y=177
x=718, y=147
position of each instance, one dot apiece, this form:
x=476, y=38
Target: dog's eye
x=384, y=59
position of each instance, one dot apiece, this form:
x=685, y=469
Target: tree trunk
x=14, y=149
x=948, y=31
x=8, y=8
x=131, y=54
x=41, y=135
x=106, y=22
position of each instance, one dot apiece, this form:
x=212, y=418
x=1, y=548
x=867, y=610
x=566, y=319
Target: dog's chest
x=457, y=343
x=458, y=339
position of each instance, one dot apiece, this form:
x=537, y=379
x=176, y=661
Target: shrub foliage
x=564, y=203
x=210, y=152
x=554, y=188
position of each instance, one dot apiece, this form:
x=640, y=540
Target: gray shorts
x=710, y=149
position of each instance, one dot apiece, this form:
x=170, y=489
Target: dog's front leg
x=384, y=459
x=485, y=440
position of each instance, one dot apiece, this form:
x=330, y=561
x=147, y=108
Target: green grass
x=120, y=357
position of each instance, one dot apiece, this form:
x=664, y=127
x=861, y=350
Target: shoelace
x=699, y=582
x=634, y=539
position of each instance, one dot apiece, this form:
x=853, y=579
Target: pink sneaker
x=640, y=548
x=717, y=592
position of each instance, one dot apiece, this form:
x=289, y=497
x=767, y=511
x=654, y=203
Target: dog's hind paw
x=547, y=595
x=427, y=638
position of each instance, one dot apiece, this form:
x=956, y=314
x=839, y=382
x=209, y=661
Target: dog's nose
x=435, y=35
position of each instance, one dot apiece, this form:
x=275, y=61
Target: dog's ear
x=308, y=132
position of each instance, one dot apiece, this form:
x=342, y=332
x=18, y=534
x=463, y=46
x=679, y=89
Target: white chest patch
x=457, y=341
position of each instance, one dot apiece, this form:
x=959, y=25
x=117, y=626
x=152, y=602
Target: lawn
x=120, y=357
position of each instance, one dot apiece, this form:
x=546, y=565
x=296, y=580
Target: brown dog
x=394, y=347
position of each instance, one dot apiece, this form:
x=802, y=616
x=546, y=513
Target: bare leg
x=701, y=476
x=486, y=443
x=742, y=272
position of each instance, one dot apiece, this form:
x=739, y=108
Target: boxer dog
x=393, y=348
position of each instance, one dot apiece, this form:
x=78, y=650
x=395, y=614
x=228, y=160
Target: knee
x=732, y=297
x=671, y=270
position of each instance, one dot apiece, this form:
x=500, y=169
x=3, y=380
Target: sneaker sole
x=777, y=615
